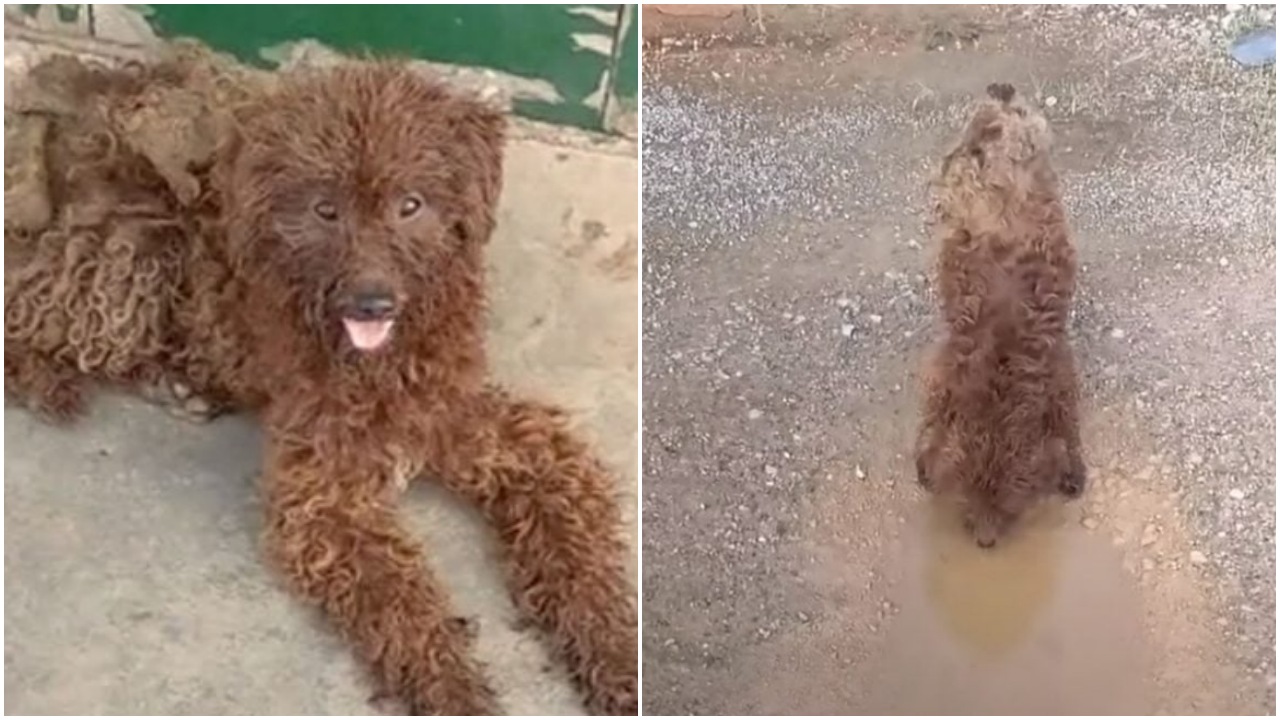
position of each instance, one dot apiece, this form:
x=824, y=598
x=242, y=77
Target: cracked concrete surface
x=133, y=581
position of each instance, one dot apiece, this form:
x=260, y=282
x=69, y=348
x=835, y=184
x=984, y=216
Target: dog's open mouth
x=368, y=335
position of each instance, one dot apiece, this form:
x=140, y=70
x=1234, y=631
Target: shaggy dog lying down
x=1000, y=426
x=327, y=272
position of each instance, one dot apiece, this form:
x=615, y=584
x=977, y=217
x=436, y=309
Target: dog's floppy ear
x=480, y=134
x=242, y=176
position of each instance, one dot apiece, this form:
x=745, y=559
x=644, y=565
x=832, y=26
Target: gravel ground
x=786, y=304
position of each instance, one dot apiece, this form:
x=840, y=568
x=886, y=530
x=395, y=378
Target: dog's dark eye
x=325, y=210
x=410, y=206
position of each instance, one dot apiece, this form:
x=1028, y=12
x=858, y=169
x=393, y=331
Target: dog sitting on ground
x=1000, y=425
x=329, y=274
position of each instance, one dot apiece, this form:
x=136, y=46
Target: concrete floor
x=133, y=583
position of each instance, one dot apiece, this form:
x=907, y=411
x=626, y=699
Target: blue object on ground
x=1256, y=49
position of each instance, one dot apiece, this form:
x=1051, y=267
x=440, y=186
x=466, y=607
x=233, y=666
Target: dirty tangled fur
x=1000, y=426
x=169, y=235
x=95, y=280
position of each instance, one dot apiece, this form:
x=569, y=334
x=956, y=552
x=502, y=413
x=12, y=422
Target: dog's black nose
x=371, y=305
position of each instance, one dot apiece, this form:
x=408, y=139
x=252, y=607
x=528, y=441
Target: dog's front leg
x=556, y=512
x=341, y=548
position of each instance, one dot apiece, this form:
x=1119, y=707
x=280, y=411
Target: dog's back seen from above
x=1000, y=427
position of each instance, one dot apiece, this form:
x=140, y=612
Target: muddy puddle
x=1047, y=623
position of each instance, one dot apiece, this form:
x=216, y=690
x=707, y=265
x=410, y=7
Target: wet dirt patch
x=1047, y=623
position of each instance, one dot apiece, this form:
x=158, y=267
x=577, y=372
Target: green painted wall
x=626, y=75
x=575, y=49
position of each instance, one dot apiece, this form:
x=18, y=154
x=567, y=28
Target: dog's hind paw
x=922, y=476
x=60, y=403
x=1072, y=484
x=986, y=526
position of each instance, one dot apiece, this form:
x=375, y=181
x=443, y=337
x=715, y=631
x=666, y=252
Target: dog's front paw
x=615, y=696
x=608, y=680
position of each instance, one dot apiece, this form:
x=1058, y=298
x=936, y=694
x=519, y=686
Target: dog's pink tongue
x=367, y=334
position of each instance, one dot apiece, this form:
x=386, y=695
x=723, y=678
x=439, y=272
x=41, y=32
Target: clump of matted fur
x=1000, y=426
x=340, y=199
x=92, y=285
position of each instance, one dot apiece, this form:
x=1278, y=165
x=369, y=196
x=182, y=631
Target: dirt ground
x=791, y=564
x=133, y=581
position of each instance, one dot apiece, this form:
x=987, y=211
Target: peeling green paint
x=529, y=41
x=563, y=61
x=626, y=74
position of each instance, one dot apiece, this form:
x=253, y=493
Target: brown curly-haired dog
x=1000, y=426
x=329, y=274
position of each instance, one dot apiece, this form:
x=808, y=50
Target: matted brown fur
x=238, y=292
x=1000, y=427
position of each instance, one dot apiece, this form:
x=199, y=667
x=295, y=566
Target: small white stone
x=1117, y=333
x=1149, y=535
x=1223, y=262
x=1198, y=558
x=843, y=302
x=1050, y=101
x=1236, y=494
x=1090, y=523
x=847, y=330
x=875, y=319
x=771, y=471
x=859, y=473
x=754, y=414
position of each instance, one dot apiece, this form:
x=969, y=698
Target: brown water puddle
x=1047, y=623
